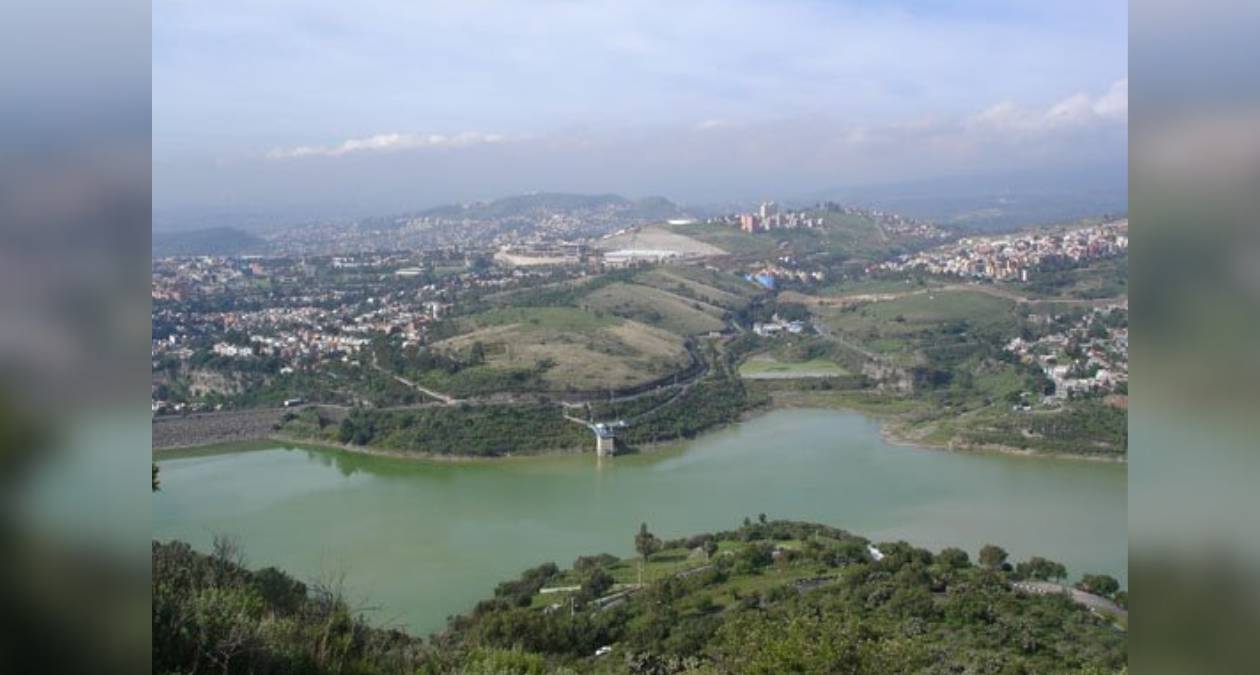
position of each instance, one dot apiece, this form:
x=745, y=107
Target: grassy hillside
x=700, y=284
x=683, y=299
x=848, y=235
x=656, y=307
x=566, y=347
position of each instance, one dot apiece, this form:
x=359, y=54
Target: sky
x=310, y=108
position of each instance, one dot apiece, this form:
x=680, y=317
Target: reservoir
x=417, y=541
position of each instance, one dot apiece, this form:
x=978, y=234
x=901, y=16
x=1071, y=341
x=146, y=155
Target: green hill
x=769, y=597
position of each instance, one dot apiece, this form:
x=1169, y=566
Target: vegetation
x=768, y=597
x=210, y=613
x=840, y=237
x=768, y=366
x=712, y=401
x=658, y=308
x=945, y=350
x=1087, y=427
x=486, y=431
x=547, y=348
x=1106, y=278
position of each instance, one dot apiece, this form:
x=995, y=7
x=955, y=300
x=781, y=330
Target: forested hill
x=769, y=597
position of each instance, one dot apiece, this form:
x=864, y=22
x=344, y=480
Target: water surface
x=424, y=540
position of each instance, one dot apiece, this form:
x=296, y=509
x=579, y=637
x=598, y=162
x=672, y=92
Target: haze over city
x=311, y=110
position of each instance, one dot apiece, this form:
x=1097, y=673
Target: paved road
x=1095, y=603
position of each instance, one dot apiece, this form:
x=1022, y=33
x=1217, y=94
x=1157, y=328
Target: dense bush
x=211, y=614
x=491, y=430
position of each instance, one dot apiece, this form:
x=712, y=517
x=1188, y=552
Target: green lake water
x=418, y=541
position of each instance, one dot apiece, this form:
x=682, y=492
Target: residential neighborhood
x=1016, y=256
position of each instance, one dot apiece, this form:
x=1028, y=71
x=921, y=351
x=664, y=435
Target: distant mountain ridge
x=522, y=205
x=209, y=241
x=997, y=201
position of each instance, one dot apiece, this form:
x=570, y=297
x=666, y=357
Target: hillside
x=769, y=597
x=843, y=235
x=569, y=348
x=939, y=356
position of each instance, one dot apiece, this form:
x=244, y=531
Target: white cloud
x=1074, y=112
x=1115, y=103
x=387, y=143
x=712, y=124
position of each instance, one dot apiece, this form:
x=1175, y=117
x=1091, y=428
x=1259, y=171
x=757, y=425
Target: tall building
x=768, y=209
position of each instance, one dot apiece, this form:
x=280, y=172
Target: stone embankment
x=181, y=431
x=228, y=426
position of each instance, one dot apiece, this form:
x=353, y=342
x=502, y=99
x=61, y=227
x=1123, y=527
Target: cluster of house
x=768, y=275
x=1090, y=356
x=1016, y=256
x=777, y=326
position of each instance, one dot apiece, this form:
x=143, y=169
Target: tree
x=1099, y=584
x=646, y=544
x=993, y=557
x=478, y=353
x=596, y=584
x=1040, y=569
x=953, y=558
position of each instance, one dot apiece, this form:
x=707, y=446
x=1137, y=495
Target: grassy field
x=765, y=366
x=687, y=286
x=571, y=348
x=909, y=315
x=732, y=283
x=674, y=313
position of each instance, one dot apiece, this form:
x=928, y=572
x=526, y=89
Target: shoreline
x=889, y=430
x=893, y=433
x=414, y=456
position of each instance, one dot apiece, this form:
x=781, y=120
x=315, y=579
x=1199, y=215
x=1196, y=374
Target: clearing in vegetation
x=653, y=306
x=671, y=281
x=570, y=348
x=767, y=367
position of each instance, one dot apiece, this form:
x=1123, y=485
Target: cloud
x=389, y=142
x=1074, y=112
x=712, y=124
